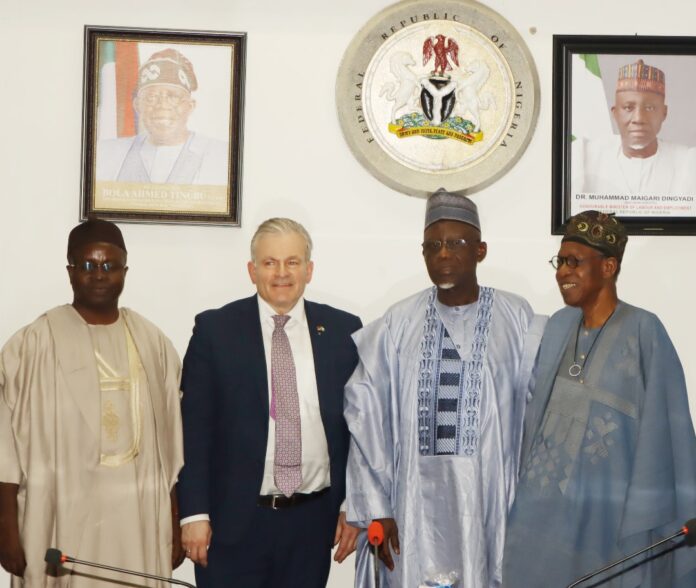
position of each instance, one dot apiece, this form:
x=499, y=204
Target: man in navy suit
x=238, y=525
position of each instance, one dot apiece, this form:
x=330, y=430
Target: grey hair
x=281, y=226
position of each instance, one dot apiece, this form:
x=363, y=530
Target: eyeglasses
x=168, y=98
x=90, y=267
x=454, y=245
x=570, y=260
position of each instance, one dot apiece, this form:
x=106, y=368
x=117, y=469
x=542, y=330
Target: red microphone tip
x=375, y=533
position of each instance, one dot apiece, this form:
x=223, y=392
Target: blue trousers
x=285, y=548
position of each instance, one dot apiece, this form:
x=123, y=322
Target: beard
x=445, y=286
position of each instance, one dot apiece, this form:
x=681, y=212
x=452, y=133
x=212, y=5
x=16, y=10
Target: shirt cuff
x=194, y=519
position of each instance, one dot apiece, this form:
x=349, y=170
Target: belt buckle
x=273, y=502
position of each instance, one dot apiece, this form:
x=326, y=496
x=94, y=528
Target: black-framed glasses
x=433, y=246
x=165, y=97
x=90, y=267
x=570, y=260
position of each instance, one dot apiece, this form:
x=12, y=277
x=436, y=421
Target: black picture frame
x=162, y=125
x=649, y=211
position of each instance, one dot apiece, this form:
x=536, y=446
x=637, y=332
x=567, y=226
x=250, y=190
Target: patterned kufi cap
x=95, y=230
x=168, y=67
x=639, y=77
x=599, y=230
x=443, y=205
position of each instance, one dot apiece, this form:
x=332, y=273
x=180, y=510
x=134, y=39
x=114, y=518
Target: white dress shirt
x=315, y=451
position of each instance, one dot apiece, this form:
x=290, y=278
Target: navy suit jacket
x=225, y=410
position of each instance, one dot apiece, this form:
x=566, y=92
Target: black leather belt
x=276, y=501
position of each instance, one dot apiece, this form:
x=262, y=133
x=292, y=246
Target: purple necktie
x=285, y=409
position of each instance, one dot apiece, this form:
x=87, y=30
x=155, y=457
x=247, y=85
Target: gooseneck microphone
x=688, y=531
x=56, y=557
x=375, y=535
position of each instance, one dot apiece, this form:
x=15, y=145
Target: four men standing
x=89, y=409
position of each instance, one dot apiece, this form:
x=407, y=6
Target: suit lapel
x=252, y=343
x=187, y=165
x=320, y=351
x=132, y=168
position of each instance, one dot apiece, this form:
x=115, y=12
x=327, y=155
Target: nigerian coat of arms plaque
x=437, y=94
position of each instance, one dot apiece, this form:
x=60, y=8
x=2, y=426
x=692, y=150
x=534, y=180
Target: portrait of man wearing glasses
x=608, y=461
x=435, y=411
x=164, y=150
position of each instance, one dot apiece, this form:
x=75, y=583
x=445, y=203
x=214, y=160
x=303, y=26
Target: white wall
x=296, y=164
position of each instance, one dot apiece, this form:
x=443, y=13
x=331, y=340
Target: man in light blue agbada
x=608, y=460
x=435, y=410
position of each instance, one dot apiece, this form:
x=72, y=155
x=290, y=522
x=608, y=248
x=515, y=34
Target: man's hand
x=391, y=537
x=346, y=538
x=11, y=553
x=195, y=538
x=178, y=553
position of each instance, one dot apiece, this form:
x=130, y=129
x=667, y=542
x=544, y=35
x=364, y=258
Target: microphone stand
x=67, y=558
x=625, y=559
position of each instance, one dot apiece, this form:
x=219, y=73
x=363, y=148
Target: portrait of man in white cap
x=636, y=161
x=164, y=150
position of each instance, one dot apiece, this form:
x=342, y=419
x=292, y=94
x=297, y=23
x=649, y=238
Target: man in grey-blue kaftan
x=608, y=460
x=435, y=410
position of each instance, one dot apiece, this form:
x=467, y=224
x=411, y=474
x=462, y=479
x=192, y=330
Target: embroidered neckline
x=467, y=427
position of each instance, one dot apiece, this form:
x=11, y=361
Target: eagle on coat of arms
x=442, y=48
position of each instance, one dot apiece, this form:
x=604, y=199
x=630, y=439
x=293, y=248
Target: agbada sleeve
x=662, y=490
x=369, y=414
x=172, y=385
x=10, y=471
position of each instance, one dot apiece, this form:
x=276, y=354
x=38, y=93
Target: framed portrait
x=624, y=134
x=162, y=125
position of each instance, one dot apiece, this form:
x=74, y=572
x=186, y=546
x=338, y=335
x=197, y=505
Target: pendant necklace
x=576, y=369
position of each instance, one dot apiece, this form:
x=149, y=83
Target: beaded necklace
x=576, y=368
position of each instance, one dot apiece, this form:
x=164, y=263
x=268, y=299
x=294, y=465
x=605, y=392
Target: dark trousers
x=288, y=548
